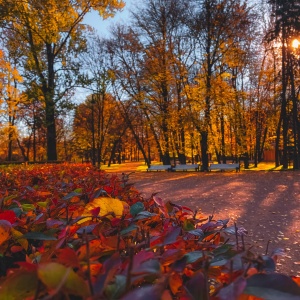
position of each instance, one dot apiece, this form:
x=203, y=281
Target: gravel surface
x=265, y=203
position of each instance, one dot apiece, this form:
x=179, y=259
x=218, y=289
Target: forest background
x=179, y=81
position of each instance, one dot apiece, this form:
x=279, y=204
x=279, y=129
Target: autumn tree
x=218, y=27
x=162, y=28
x=152, y=55
x=85, y=132
x=286, y=27
x=46, y=36
x=32, y=115
x=96, y=66
x=11, y=98
x=128, y=82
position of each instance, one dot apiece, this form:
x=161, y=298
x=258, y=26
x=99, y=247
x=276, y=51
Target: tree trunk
x=223, y=154
x=204, y=148
x=11, y=123
x=284, y=105
x=51, y=131
x=34, y=137
x=23, y=151
x=48, y=91
x=277, y=141
x=257, y=138
x=294, y=114
x=113, y=151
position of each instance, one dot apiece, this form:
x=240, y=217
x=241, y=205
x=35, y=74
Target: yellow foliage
x=108, y=206
x=17, y=235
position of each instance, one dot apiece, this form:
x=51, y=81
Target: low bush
x=74, y=232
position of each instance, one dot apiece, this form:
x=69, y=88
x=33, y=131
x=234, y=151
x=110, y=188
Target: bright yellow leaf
x=108, y=206
x=17, y=235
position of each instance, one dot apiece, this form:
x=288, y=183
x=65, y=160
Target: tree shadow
x=265, y=203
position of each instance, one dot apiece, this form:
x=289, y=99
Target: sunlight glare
x=295, y=43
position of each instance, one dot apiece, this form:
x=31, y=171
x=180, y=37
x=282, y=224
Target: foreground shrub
x=72, y=232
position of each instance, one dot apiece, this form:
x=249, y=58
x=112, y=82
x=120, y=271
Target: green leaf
x=38, y=236
x=71, y=195
x=268, y=264
x=129, y=229
x=56, y=276
x=188, y=225
x=151, y=266
x=22, y=284
x=18, y=211
x=144, y=215
x=42, y=204
x=28, y=207
x=6, y=199
x=272, y=287
x=219, y=261
x=197, y=232
x=222, y=249
x=222, y=257
x=192, y=257
x=18, y=236
x=115, y=289
x=136, y=208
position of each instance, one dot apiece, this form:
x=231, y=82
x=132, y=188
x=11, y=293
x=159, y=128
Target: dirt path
x=266, y=203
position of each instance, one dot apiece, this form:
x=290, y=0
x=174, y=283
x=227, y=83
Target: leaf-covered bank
x=73, y=232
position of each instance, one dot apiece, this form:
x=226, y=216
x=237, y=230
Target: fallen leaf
x=109, y=207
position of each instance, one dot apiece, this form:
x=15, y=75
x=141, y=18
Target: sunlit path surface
x=265, y=203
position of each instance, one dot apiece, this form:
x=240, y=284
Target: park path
x=266, y=203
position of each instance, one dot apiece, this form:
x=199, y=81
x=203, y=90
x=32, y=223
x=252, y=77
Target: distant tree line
x=181, y=81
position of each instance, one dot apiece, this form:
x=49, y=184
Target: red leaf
x=68, y=257
x=115, y=222
x=296, y=279
x=187, y=208
x=95, y=212
x=27, y=266
x=15, y=249
x=158, y=201
x=8, y=215
x=108, y=189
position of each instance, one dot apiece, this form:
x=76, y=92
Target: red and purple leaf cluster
x=73, y=232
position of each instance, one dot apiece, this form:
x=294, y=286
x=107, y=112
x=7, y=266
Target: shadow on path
x=265, y=203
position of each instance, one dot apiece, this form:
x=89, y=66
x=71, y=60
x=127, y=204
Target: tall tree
x=11, y=98
x=286, y=27
x=47, y=35
x=159, y=72
x=219, y=26
x=86, y=135
x=96, y=65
